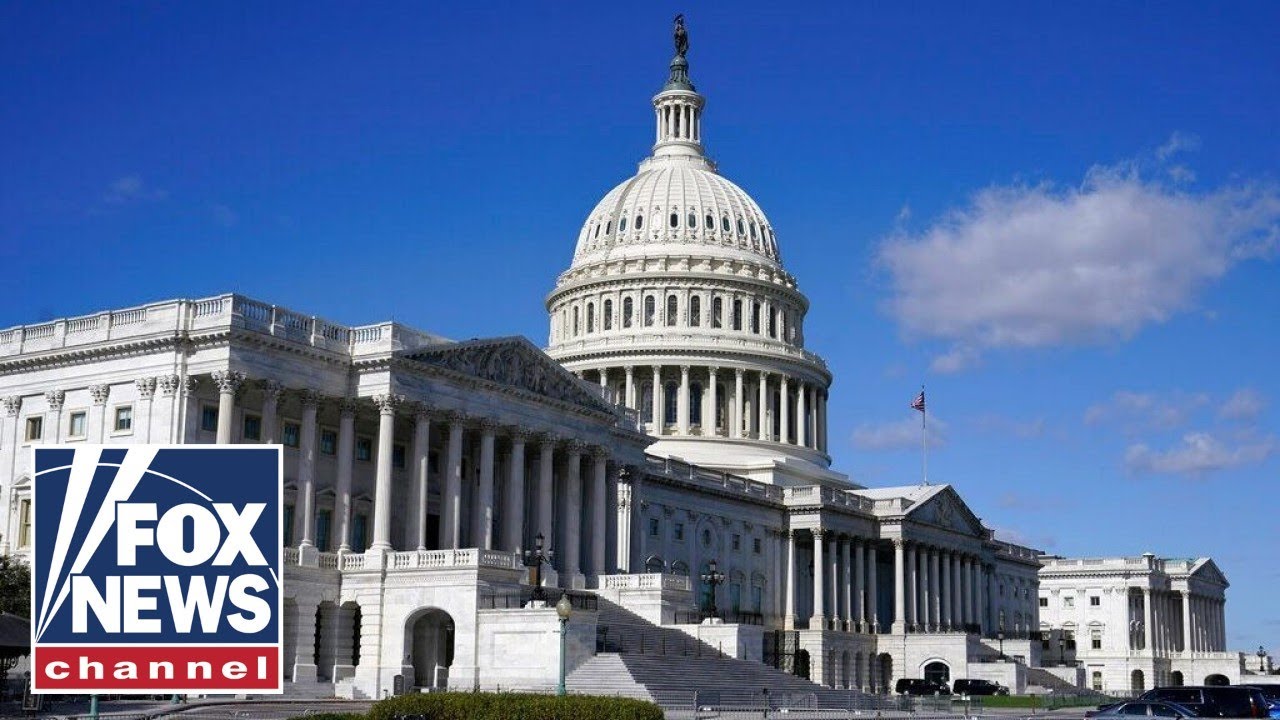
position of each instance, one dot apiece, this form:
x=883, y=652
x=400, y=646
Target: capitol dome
x=676, y=302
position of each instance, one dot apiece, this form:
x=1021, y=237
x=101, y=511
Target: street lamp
x=1000, y=637
x=564, y=609
x=1062, y=649
x=713, y=578
x=1262, y=660
x=534, y=559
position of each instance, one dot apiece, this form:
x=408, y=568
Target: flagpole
x=924, y=440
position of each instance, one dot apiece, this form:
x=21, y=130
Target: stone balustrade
x=409, y=560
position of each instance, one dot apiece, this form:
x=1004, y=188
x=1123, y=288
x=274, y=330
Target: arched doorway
x=884, y=673
x=938, y=672
x=1216, y=679
x=802, y=664
x=290, y=632
x=1175, y=678
x=429, y=643
x=1137, y=681
x=846, y=670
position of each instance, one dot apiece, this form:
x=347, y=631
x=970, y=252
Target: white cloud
x=1017, y=537
x=131, y=188
x=1197, y=455
x=1040, y=266
x=1178, y=142
x=1245, y=405
x=1146, y=411
x=1007, y=426
x=898, y=434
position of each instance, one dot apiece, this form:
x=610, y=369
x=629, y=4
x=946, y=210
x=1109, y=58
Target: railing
x=585, y=602
x=646, y=581
x=678, y=469
x=696, y=617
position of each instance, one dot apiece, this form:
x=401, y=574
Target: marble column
x=966, y=592
x=342, y=487
x=858, y=585
x=682, y=402
x=802, y=425
x=271, y=391
x=762, y=410
x=482, y=527
x=146, y=388
x=96, y=421
x=513, y=509
x=306, y=506
x=784, y=410
x=833, y=577
x=846, y=583
x=572, y=517
x=709, y=417
x=629, y=392
x=599, y=499
x=656, y=395
x=957, y=592
x=421, y=475
x=871, y=610
x=1147, y=621
x=451, y=499
x=737, y=403
x=546, y=485
x=165, y=420
x=899, y=586
x=819, y=618
x=944, y=597
x=228, y=382
x=628, y=520
x=382, y=490
x=790, y=600
x=912, y=616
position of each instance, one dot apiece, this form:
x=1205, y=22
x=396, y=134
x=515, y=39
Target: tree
x=15, y=587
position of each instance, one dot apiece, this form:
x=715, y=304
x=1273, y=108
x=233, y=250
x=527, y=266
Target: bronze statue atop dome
x=681, y=37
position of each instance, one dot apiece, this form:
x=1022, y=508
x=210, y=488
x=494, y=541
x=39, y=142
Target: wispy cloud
x=1245, y=405
x=1138, y=412
x=1018, y=537
x=131, y=189
x=1040, y=266
x=1198, y=455
x=1007, y=426
x=897, y=434
x=1178, y=142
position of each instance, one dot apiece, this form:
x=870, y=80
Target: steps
x=1049, y=681
x=668, y=667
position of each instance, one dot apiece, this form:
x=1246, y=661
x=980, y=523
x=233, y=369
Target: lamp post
x=1262, y=660
x=564, y=609
x=714, y=578
x=1062, y=650
x=534, y=559
x=1000, y=637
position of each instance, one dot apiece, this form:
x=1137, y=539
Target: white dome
x=676, y=206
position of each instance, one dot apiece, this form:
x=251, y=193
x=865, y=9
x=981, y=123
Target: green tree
x=15, y=587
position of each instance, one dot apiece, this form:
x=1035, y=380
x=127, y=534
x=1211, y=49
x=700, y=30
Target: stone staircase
x=670, y=668
x=1046, y=680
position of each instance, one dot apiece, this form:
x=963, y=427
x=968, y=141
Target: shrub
x=331, y=716
x=513, y=706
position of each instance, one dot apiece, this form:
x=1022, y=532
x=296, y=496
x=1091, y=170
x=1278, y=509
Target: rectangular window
x=252, y=427
x=328, y=442
x=1044, y=602
x=35, y=428
x=1068, y=601
x=678, y=531
x=1095, y=640
x=209, y=418
x=757, y=598
x=737, y=542
x=124, y=419
x=653, y=527
x=755, y=545
x=398, y=456
x=364, y=449
x=288, y=525
x=1095, y=601
x=24, y=523
x=292, y=435
x=76, y=427
x=359, y=531
x=324, y=520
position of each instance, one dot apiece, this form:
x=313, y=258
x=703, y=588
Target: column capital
x=146, y=387
x=453, y=416
x=228, y=381
x=100, y=393
x=168, y=385
x=519, y=434
x=898, y=542
x=712, y=370
x=629, y=369
x=819, y=532
x=684, y=369
x=190, y=384
x=599, y=452
x=347, y=407
x=576, y=446
x=55, y=398
x=738, y=372
x=12, y=405
x=547, y=441
x=388, y=403
x=271, y=390
x=309, y=398
x=488, y=425
x=422, y=413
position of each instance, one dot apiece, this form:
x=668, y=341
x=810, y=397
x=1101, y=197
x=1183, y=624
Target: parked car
x=1141, y=708
x=1272, y=695
x=1224, y=701
x=920, y=686
x=967, y=686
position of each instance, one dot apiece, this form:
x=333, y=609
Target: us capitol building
x=675, y=422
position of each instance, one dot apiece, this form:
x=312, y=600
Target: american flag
x=918, y=403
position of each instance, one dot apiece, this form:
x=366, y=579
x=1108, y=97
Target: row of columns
x=452, y=426
x=1183, y=621
x=748, y=414
x=612, y=310
x=844, y=582
x=678, y=121
x=939, y=589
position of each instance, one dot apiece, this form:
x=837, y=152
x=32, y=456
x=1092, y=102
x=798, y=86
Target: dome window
x=717, y=312
x=575, y=322
x=695, y=311
x=597, y=230
x=671, y=397
x=693, y=221
x=622, y=224
x=675, y=220
x=650, y=310
x=724, y=223
x=591, y=317
x=639, y=222
x=741, y=230
x=711, y=222
x=673, y=310
x=753, y=230
x=755, y=317
x=606, y=316
x=773, y=324
x=628, y=306
x=695, y=403
x=737, y=315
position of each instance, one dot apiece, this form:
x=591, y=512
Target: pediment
x=513, y=362
x=1209, y=571
x=945, y=509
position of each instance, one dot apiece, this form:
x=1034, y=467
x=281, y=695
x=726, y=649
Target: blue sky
x=1060, y=217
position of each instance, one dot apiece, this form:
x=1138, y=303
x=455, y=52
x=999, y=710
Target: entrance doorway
x=429, y=641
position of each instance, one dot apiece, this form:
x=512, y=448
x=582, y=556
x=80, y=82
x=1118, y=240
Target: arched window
x=695, y=311
x=737, y=315
x=741, y=230
x=724, y=223
x=646, y=401
x=693, y=221
x=672, y=310
x=639, y=222
x=606, y=319
x=675, y=219
x=773, y=323
x=591, y=317
x=650, y=309
x=711, y=222
x=680, y=567
x=671, y=395
x=597, y=230
x=608, y=228
x=695, y=403
x=755, y=317
x=654, y=564
x=753, y=229
x=628, y=306
x=622, y=224
x=717, y=312
x=575, y=322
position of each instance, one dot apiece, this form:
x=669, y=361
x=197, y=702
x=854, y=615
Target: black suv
x=1224, y=701
x=920, y=686
x=965, y=686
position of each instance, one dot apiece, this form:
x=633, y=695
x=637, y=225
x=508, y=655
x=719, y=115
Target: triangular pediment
x=945, y=509
x=1209, y=571
x=513, y=362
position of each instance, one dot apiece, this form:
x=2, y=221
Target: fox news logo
x=156, y=569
